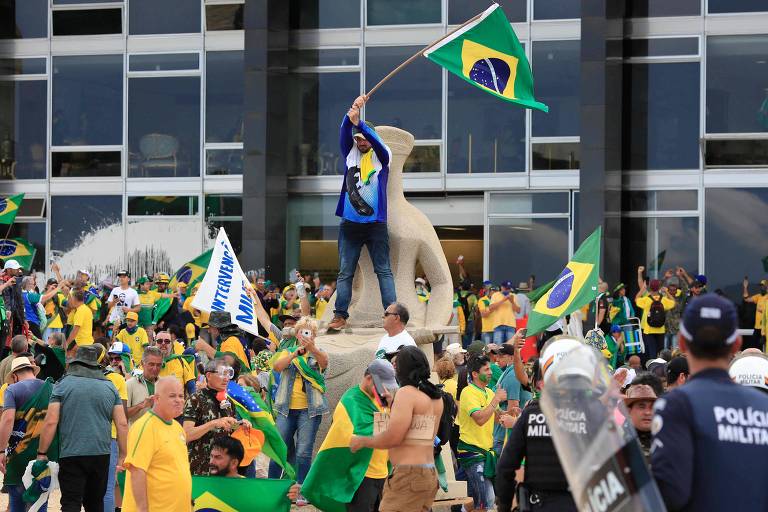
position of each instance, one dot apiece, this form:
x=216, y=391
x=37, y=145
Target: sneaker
x=337, y=323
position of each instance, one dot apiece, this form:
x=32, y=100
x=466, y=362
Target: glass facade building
x=126, y=125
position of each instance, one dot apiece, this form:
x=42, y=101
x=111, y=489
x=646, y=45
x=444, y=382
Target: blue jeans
x=15, y=492
x=352, y=237
x=483, y=496
x=109, y=495
x=670, y=341
x=487, y=337
x=298, y=424
x=502, y=333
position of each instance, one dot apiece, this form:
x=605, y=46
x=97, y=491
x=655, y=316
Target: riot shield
x=594, y=437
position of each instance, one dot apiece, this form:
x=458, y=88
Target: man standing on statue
x=363, y=209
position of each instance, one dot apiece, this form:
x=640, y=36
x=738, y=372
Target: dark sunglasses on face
x=162, y=341
x=387, y=313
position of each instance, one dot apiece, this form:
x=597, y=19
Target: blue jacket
x=363, y=201
x=710, y=446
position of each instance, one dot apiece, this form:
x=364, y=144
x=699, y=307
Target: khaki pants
x=409, y=489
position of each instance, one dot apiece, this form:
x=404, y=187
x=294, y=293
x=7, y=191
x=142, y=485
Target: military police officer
x=711, y=434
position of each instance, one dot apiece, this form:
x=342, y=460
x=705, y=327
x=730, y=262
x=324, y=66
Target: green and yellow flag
x=9, y=207
x=17, y=249
x=336, y=472
x=487, y=54
x=221, y=494
x=574, y=287
x=191, y=272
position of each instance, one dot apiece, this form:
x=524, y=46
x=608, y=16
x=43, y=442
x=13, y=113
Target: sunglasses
x=224, y=372
x=115, y=358
x=387, y=313
x=162, y=341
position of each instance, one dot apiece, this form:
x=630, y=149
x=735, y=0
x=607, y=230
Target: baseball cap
x=143, y=279
x=506, y=284
x=11, y=265
x=749, y=370
x=619, y=287
x=492, y=348
x=124, y=273
x=507, y=349
x=487, y=283
x=710, y=311
x=658, y=367
x=476, y=347
x=654, y=285
x=119, y=347
x=384, y=370
x=84, y=272
x=162, y=277
x=131, y=315
x=615, y=328
x=420, y=280
x=455, y=348
x=673, y=281
x=701, y=278
x=51, y=281
x=677, y=366
x=656, y=361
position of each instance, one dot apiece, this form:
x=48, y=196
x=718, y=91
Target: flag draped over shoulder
x=192, y=272
x=9, y=207
x=487, y=54
x=574, y=287
x=25, y=436
x=249, y=406
x=221, y=494
x=336, y=472
x=17, y=249
x=315, y=378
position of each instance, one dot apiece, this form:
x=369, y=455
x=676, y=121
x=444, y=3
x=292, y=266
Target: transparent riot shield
x=594, y=437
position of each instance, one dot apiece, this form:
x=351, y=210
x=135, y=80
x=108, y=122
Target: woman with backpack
x=655, y=306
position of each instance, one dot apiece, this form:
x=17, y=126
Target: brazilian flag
x=192, y=272
x=574, y=287
x=221, y=494
x=9, y=207
x=17, y=249
x=487, y=54
x=336, y=472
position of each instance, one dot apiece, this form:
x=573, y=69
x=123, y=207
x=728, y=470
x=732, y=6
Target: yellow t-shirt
x=56, y=322
x=122, y=390
x=760, y=301
x=450, y=386
x=178, y=347
x=159, y=448
x=320, y=306
x=232, y=344
x=378, y=467
x=487, y=321
x=83, y=318
x=178, y=368
x=136, y=342
x=504, y=314
x=474, y=399
x=298, y=395
x=200, y=317
x=645, y=304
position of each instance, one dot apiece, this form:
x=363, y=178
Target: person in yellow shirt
x=147, y=299
x=504, y=308
x=175, y=365
x=323, y=296
x=134, y=336
x=760, y=300
x=486, y=314
x=654, y=305
x=227, y=337
x=158, y=476
x=54, y=308
x=82, y=322
x=200, y=317
x=111, y=496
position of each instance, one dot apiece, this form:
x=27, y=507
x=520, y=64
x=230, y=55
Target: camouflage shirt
x=201, y=408
x=672, y=323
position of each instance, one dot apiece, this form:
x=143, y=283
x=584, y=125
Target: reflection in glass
x=737, y=84
x=558, y=156
x=658, y=244
x=325, y=99
x=85, y=164
x=164, y=17
x=220, y=162
x=521, y=247
x=223, y=206
x=661, y=46
x=556, y=67
x=164, y=126
x=484, y=134
x=411, y=99
x=87, y=22
x=325, y=13
x=234, y=229
x=654, y=8
x=87, y=100
x=77, y=218
x=404, y=12
x=423, y=159
x=24, y=19
x=661, y=126
x=162, y=205
x=556, y=10
x=332, y=57
x=460, y=11
x=22, y=129
x=555, y=202
x=726, y=6
x=34, y=232
x=164, y=62
x=736, y=153
x=224, y=17
x=32, y=66
x=32, y=207
x=736, y=246
x=224, y=85
x=659, y=200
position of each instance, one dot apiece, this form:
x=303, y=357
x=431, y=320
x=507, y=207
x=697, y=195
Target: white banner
x=224, y=287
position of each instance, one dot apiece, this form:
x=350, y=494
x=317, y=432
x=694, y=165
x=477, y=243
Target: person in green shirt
x=615, y=344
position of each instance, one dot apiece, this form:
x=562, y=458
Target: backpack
x=657, y=317
x=450, y=410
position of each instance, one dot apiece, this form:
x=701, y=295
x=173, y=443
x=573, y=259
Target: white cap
x=81, y=271
x=455, y=348
x=555, y=350
x=11, y=265
x=420, y=280
x=750, y=370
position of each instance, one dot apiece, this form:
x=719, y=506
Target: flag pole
x=418, y=54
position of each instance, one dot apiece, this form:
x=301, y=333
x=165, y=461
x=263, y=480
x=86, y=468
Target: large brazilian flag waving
x=220, y=494
x=17, y=249
x=9, y=207
x=487, y=54
x=575, y=286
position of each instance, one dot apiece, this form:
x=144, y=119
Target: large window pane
x=87, y=232
x=325, y=13
x=736, y=153
x=557, y=70
x=224, y=162
x=224, y=17
x=33, y=66
x=410, y=100
x=484, y=134
x=34, y=232
x=162, y=205
x=654, y=8
x=325, y=99
x=22, y=129
x=460, y=11
x=87, y=100
x=87, y=22
x=555, y=202
x=736, y=245
x=164, y=62
x=726, y=6
x=556, y=9
x=85, y=164
x=164, y=126
x=23, y=19
x=164, y=16
x=224, y=212
x=658, y=244
x=224, y=97
x=659, y=200
x=546, y=249
x=737, y=75
x=555, y=156
x=661, y=126
x=403, y=12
